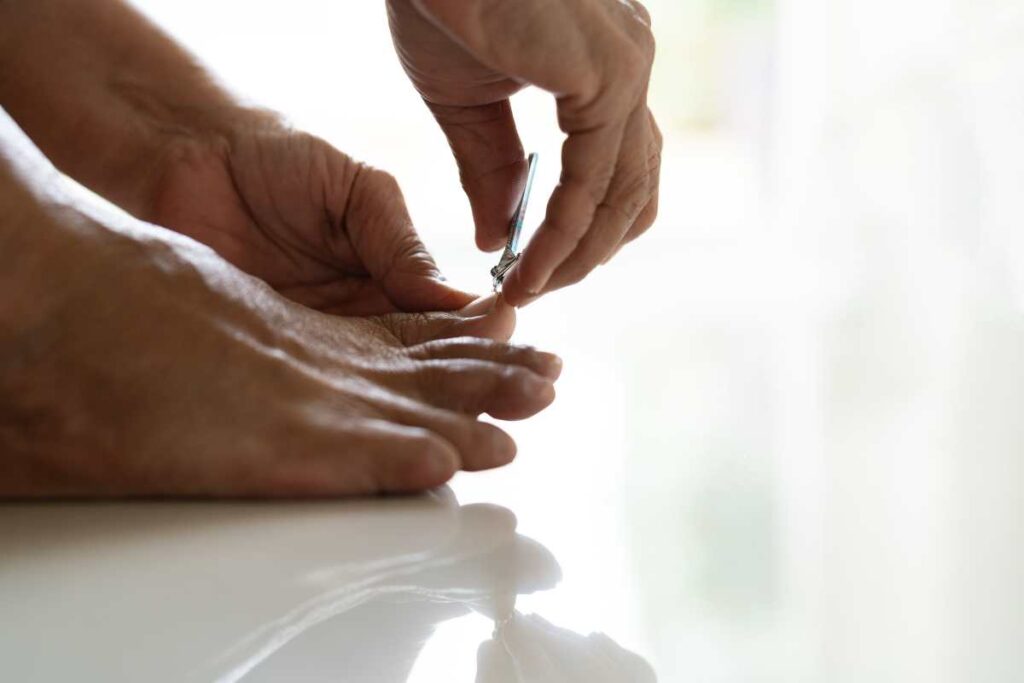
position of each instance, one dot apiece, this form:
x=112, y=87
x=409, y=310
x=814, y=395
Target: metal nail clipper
x=509, y=256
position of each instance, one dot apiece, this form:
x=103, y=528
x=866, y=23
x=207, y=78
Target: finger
x=589, y=159
x=650, y=213
x=489, y=318
x=628, y=194
x=480, y=445
x=643, y=223
x=377, y=457
x=597, y=67
x=492, y=167
x=473, y=387
x=545, y=364
x=382, y=234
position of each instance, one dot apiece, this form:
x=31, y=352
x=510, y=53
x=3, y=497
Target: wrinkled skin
x=467, y=57
x=129, y=114
x=157, y=374
x=135, y=362
x=285, y=206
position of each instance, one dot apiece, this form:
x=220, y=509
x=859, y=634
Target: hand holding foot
x=153, y=367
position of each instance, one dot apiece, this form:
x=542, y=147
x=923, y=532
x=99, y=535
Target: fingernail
x=481, y=306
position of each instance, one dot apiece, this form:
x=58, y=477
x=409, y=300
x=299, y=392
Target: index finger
x=589, y=158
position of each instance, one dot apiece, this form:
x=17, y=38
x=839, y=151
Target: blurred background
x=789, y=437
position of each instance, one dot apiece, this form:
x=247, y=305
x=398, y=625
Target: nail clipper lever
x=510, y=254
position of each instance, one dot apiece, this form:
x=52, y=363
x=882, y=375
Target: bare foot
x=134, y=362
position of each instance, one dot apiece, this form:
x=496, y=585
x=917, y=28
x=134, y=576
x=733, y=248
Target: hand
x=285, y=206
x=467, y=57
x=126, y=112
x=134, y=362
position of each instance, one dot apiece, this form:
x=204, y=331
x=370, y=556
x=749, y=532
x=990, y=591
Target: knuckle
x=613, y=96
x=631, y=197
x=596, y=183
x=641, y=25
x=640, y=12
x=636, y=199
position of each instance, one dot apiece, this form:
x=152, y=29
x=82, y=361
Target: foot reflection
x=528, y=649
x=432, y=561
x=339, y=591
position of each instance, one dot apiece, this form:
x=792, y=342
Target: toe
x=368, y=457
x=507, y=392
x=545, y=364
x=480, y=445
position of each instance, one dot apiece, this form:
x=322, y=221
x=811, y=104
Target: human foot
x=135, y=362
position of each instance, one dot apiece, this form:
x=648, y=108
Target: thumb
x=415, y=285
x=383, y=236
x=492, y=167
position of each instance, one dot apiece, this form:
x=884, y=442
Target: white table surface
x=788, y=443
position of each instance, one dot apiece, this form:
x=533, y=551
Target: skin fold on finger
x=543, y=363
x=382, y=234
x=650, y=213
x=480, y=445
x=643, y=223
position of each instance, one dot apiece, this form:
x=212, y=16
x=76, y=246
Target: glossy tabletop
x=789, y=438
